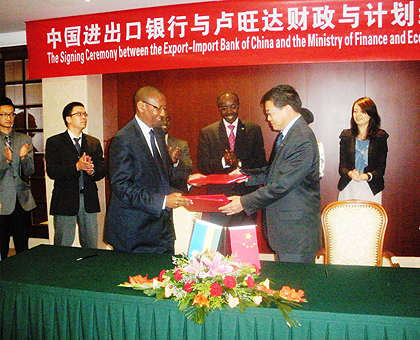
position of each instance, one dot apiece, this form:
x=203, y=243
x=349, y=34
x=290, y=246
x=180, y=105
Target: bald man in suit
x=218, y=155
x=139, y=217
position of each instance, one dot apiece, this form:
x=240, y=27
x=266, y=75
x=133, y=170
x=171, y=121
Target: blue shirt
x=362, y=149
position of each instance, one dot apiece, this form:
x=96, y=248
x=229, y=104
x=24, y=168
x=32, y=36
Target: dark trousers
x=17, y=225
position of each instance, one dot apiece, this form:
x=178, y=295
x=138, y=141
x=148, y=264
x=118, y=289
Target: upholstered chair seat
x=354, y=232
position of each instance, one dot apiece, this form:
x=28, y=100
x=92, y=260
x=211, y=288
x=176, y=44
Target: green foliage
x=210, y=281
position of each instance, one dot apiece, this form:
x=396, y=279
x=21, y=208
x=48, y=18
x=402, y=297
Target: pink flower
x=216, y=266
x=230, y=282
x=195, y=267
x=215, y=289
x=250, y=281
x=188, y=287
x=178, y=275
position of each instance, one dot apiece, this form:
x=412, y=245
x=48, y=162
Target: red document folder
x=207, y=203
x=218, y=179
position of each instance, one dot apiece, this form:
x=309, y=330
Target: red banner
x=224, y=33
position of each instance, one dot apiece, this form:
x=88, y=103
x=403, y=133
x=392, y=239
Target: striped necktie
x=77, y=144
x=276, y=147
x=278, y=141
x=231, y=138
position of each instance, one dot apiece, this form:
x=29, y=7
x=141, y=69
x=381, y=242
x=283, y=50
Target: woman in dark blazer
x=363, y=152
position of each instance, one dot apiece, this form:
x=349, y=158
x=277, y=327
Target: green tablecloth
x=46, y=294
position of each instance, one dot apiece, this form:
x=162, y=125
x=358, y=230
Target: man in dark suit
x=75, y=162
x=290, y=193
x=139, y=217
x=225, y=145
x=178, y=151
x=16, y=165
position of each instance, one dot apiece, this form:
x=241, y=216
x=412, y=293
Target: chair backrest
x=184, y=222
x=354, y=232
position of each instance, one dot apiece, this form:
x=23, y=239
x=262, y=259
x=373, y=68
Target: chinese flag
x=244, y=244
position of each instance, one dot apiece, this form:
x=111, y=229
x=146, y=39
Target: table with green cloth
x=46, y=293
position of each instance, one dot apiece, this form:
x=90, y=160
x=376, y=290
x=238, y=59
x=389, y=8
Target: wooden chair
x=354, y=233
x=184, y=222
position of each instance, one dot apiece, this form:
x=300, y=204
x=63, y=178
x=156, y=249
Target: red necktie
x=231, y=137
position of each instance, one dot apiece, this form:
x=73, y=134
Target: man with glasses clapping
x=75, y=162
x=16, y=165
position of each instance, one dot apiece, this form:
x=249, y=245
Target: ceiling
x=14, y=13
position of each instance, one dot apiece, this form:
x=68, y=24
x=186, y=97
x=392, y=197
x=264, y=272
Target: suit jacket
x=185, y=163
x=378, y=150
x=290, y=193
x=61, y=157
x=249, y=148
x=136, y=221
x=14, y=181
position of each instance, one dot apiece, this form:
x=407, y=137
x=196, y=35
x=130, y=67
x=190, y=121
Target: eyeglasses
x=163, y=107
x=79, y=114
x=270, y=113
x=224, y=108
x=7, y=115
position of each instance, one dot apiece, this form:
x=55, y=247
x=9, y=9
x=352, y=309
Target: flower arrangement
x=209, y=280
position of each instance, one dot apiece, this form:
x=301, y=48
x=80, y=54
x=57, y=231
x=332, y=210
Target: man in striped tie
x=225, y=145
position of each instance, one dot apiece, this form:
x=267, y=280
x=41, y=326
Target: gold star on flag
x=248, y=236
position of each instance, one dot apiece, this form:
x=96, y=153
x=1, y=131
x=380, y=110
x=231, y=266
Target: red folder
x=219, y=179
x=207, y=203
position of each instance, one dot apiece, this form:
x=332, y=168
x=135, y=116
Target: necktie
x=9, y=145
x=278, y=141
x=159, y=162
x=231, y=138
x=276, y=147
x=9, y=142
x=155, y=150
x=77, y=146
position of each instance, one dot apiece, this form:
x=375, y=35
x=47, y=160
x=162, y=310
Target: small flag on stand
x=205, y=236
x=244, y=244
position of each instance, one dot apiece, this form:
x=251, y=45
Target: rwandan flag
x=205, y=236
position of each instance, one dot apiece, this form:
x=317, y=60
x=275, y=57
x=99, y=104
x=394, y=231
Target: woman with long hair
x=363, y=152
